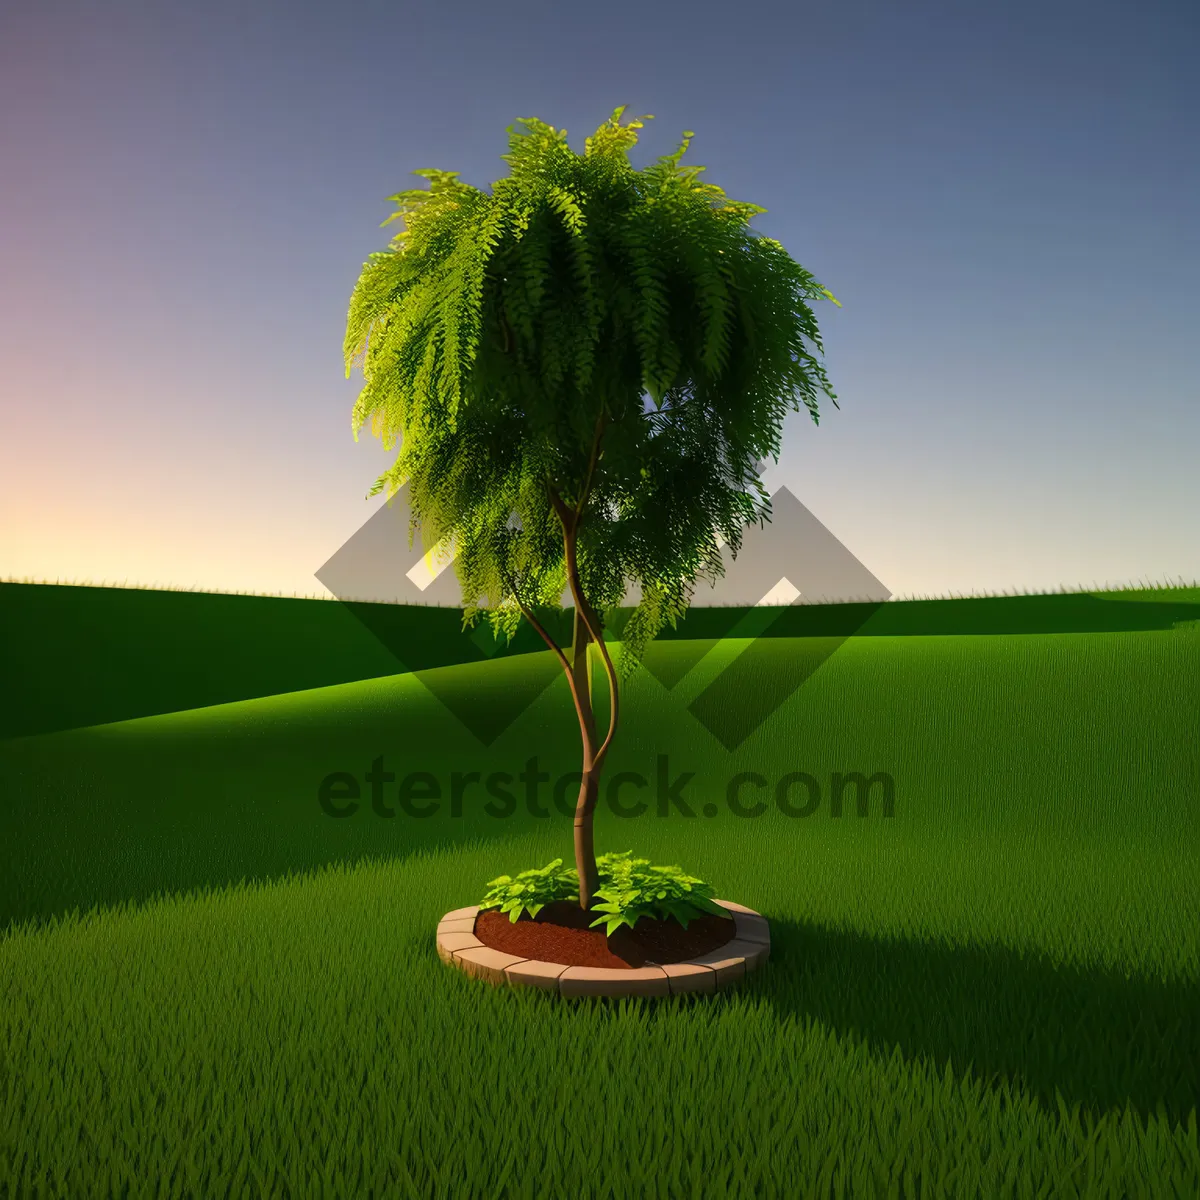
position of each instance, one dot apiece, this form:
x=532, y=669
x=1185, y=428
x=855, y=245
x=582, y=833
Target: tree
x=584, y=368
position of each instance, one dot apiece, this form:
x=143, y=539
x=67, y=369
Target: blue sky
x=1002, y=196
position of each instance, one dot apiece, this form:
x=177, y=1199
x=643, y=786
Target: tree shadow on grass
x=1098, y=1038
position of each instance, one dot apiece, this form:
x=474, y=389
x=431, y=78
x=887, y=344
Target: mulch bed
x=560, y=934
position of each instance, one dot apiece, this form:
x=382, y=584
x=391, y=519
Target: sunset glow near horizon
x=1002, y=198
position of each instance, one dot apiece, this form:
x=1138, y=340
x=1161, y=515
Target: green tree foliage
x=583, y=369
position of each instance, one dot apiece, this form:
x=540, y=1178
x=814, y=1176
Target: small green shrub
x=532, y=890
x=629, y=888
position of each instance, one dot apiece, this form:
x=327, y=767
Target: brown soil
x=560, y=934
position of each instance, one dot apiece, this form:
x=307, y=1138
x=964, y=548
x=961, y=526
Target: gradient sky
x=1002, y=196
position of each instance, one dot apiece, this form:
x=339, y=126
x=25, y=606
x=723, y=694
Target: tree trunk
x=589, y=786
x=585, y=849
x=581, y=668
x=588, y=627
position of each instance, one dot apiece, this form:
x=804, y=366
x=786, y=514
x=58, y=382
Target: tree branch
x=569, y=519
x=562, y=509
x=601, y=421
x=587, y=612
x=554, y=646
x=593, y=626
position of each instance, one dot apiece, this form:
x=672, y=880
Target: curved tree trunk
x=588, y=628
x=585, y=849
x=589, y=786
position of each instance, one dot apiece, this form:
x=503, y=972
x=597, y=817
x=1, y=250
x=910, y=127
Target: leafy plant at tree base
x=585, y=370
x=629, y=888
x=632, y=888
x=532, y=890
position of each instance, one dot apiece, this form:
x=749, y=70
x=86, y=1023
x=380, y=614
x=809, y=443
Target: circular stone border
x=750, y=947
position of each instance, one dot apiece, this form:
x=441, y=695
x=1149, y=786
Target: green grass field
x=992, y=992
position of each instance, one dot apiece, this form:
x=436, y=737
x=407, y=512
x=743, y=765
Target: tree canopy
x=588, y=347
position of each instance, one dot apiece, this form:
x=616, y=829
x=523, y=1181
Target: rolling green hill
x=76, y=656
x=1010, y=959
x=1079, y=737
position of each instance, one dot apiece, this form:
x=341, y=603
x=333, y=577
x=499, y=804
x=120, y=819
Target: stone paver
x=461, y=925
x=532, y=973
x=450, y=944
x=753, y=954
x=750, y=948
x=615, y=981
x=752, y=928
x=472, y=911
x=690, y=977
x=486, y=963
x=725, y=966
